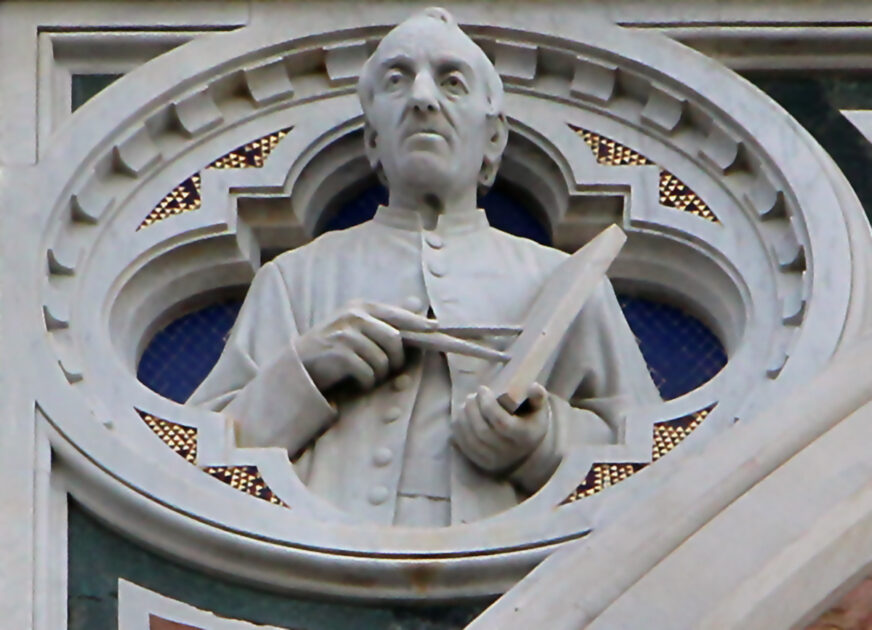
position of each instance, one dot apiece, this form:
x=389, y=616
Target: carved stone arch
x=634, y=128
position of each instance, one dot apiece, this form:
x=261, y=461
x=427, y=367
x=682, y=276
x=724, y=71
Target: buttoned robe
x=463, y=272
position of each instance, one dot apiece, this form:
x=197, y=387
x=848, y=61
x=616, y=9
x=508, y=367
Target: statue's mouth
x=431, y=134
x=425, y=132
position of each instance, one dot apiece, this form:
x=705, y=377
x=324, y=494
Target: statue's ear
x=498, y=136
x=370, y=137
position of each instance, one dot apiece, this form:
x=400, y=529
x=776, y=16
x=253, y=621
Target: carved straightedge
x=104, y=287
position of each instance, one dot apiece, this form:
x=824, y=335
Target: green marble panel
x=98, y=557
x=85, y=86
x=815, y=100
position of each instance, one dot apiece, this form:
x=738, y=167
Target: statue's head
x=432, y=104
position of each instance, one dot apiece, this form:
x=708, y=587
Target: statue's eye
x=394, y=79
x=454, y=84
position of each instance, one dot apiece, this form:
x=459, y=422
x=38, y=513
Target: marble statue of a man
x=316, y=361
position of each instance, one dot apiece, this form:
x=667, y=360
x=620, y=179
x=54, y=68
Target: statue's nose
x=424, y=97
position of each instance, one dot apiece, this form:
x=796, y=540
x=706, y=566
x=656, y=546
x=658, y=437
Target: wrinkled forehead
x=427, y=39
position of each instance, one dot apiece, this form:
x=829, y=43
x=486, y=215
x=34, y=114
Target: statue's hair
x=493, y=83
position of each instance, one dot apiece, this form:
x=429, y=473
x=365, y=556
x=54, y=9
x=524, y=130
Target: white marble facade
x=768, y=491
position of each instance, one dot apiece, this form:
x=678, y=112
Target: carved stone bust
x=368, y=352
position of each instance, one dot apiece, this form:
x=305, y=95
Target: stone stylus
x=444, y=342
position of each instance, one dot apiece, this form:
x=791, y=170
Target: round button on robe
x=392, y=414
x=413, y=303
x=403, y=381
x=378, y=495
x=434, y=240
x=437, y=268
x=382, y=456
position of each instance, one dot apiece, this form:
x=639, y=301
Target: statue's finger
x=537, y=396
x=386, y=336
x=369, y=351
x=359, y=370
x=475, y=432
x=401, y=318
x=470, y=445
x=501, y=422
x=485, y=426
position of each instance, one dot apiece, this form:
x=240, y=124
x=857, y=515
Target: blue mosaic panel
x=681, y=352
x=181, y=355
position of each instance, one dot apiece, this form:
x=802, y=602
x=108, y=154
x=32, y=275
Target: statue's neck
x=431, y=206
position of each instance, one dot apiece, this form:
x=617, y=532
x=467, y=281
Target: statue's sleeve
x=598, y=377
x=259, y=382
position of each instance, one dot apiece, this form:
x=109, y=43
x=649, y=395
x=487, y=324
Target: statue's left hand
x=495, y=439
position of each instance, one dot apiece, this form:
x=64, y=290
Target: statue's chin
x=428, y=171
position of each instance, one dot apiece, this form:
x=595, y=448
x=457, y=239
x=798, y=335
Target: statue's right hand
x=362, y=342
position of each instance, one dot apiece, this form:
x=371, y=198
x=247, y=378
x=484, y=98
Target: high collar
x=446, y=224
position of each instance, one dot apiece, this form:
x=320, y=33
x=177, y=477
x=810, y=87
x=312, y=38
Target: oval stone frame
x=768, y=275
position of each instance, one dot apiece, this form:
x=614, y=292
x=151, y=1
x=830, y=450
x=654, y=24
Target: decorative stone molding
x=770, y=273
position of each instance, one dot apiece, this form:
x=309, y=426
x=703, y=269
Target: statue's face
x=428, y=115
